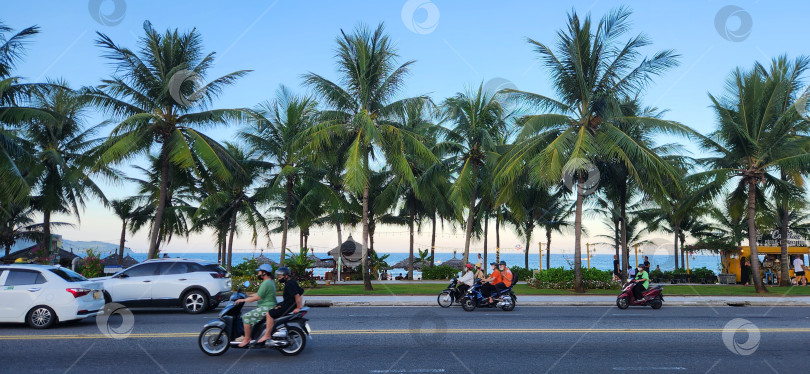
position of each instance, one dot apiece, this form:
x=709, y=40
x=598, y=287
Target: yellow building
x=731, y=261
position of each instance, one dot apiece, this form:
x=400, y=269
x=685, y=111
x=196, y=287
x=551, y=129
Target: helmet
x=469, y=266
x=503, y=263
x=265, y=268
x=478, y=265
x=282, y=271
x=493, y=263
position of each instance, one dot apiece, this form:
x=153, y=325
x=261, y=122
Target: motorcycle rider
x=488, y=284
x=292, y=301
x=266, y=297
x=479, y=272
x=506, y=277
x=466, y=280
x=642, y=280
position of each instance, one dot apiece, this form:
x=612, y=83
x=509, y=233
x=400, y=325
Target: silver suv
x=195, y=285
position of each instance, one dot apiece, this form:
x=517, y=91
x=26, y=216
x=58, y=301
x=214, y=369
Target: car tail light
x=217, y=275
x=78, y=292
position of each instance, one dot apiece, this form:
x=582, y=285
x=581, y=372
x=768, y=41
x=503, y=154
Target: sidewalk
x=558, y=300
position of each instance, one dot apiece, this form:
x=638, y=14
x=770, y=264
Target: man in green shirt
x=266, y=297
x=642, y=282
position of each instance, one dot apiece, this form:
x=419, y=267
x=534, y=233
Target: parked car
x=195, y=285
x=42, y=295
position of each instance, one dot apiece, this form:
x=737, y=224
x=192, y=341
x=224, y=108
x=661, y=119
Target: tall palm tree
x=370, y=79
x=591, y=70
x=158, y=94
x=17, y=222
x=276, y=136
x=62, y=147
x=757, y=135
x=477, y=118
x=128, y=211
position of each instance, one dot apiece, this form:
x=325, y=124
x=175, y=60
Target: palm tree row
x=356, y=152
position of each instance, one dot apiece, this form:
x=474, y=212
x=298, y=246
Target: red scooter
x=652, y=297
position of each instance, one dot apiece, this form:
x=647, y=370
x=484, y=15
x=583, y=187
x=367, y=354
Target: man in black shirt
x=293, y=300
x=646, y=264
x=617, y=275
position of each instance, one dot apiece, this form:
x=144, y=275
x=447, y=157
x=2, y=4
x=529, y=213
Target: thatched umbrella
x=351, y=253
x=113, y=260
x=405, y=263
x=264, y=260
x=455, y=262
x=327, y=263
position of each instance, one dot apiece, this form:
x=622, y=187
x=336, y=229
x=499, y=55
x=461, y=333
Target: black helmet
x=503, y=263
x=283, y=271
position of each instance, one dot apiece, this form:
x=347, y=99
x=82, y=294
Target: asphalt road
x=435, y=340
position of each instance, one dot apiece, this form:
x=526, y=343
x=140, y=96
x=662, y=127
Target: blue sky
x=456, y=44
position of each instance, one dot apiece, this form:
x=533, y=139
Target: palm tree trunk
x=121, y=244
x=752, y=236
x=486, y=232
x=470, y=217
x=410, y=229
x=497, y=239
x=616, y=238
x=300, y=238
x=529, y=229
x=676, y=247
x=8, y=249
x=366, y=277
x=578, y=286
x=548, y=249
x=162, y=198
x=230, y=242
x=623, y=229
x=46, y=233
x=433, y=242
x=286, y=223
x=680, y=249
x=784, y=278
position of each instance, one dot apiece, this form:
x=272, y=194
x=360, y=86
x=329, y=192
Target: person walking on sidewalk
x=617, y=274
x=798, y=270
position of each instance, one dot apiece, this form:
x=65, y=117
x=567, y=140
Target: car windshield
x=68, y=275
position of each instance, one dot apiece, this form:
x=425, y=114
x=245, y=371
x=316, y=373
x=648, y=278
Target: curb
x=721, y=303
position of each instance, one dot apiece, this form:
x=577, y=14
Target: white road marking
x=654, y=369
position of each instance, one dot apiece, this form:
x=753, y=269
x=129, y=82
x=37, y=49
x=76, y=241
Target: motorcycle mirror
x=246, y=284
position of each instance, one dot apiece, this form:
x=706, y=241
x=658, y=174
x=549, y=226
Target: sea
x=564, y=260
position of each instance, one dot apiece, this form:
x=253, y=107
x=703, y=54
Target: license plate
x=96, y=295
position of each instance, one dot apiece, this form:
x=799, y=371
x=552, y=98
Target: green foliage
x=247, y=268
x=700, y=274
x=560, y=278
x=90, y=266
x=377, y=264
x=522, y=274
x=439, y=272
x=656, y=274
x=298, y=262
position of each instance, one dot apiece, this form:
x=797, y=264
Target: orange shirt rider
x=499, y=280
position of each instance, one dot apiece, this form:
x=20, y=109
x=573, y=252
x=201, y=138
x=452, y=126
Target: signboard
x=112, y=269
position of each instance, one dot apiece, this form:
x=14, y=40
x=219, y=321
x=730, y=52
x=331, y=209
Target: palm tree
x=237, y=201
x=477, y=119
x=62, y=148
x=591, y=70
x=756, y=135
x=275, y=136
x=128, y=210
x=13, y=113
x=370, y=78
x=157, y=92
x=17, y=222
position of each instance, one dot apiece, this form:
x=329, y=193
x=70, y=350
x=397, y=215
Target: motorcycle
x=504, y=299
x=450, y=295
x=289, y=334
x=653, y=297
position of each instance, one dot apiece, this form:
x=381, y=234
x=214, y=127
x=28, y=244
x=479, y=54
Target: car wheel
x=195, y=301
x=41, y=317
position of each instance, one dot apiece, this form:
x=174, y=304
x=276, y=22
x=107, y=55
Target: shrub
x=699, y=274
x=657, y=274
x=236, y=282
x=559, y=278
x=246, y=268
x=522, y=274
x=439, y=272
x=90, y=266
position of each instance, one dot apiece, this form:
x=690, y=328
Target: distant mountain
x=80, y=247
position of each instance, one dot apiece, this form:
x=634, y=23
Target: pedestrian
x=646, y=264
x=745, y=271
x=657, y=267
x=617, y=274
x=630, y=271
x=798, y=270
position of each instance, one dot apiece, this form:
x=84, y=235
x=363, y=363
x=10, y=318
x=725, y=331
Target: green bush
x=439, y=272
x=560, y=278
x=657, y=274
x=236, y=282
x=522, y=274
x=246, y=268
x=699, y=274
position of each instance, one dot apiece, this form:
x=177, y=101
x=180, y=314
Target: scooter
x=653, y=297
x=289, y=336
x=504, y=299
x=450, y=295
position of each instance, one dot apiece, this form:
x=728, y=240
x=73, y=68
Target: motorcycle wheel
x=656, y=303
x=468, y=304
x=210, y=344
x=623, y=302
x=445, y=299
x=510, y=306
x=296, y=339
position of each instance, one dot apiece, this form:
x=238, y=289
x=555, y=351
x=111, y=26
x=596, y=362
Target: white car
x=195, y=285
x=42, y=295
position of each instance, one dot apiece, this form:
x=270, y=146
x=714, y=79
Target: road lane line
x=409, y=331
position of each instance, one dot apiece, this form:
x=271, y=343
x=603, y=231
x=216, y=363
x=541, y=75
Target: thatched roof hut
x=113, y=260
x=65, y=257
x=455, y=262
x=264, y=260
x=350, y=253
x=405, y=264
x=321, y=262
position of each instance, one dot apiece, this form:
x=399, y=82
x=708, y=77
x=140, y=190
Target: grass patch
x=522, y=289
